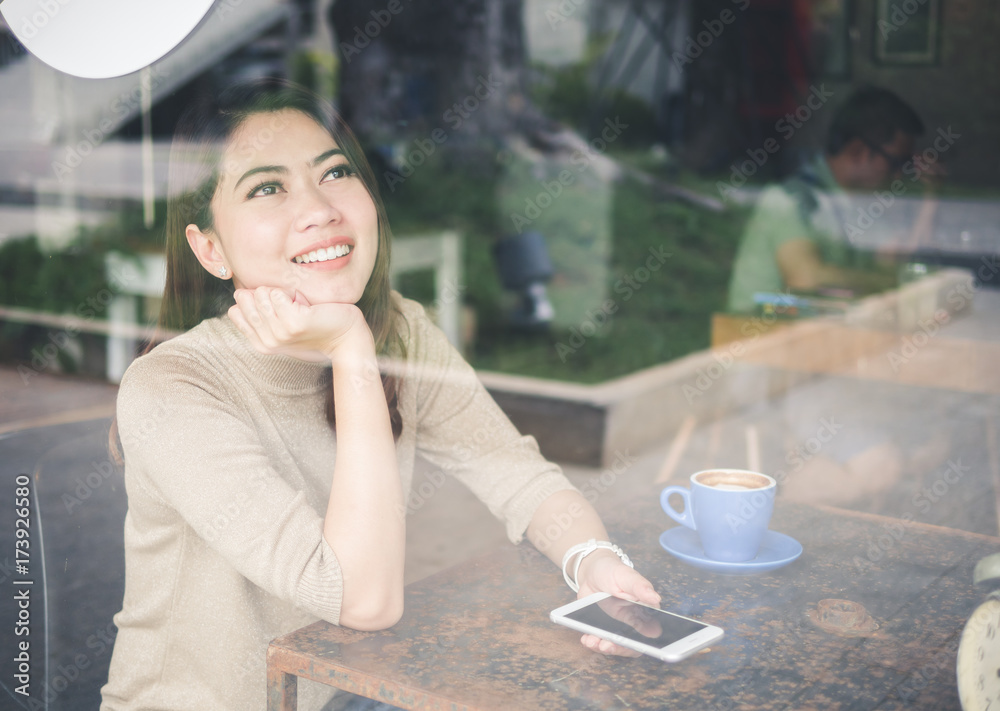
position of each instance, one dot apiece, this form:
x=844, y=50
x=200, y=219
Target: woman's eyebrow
x=282, y=169
x=323, y=156
x=260, y=169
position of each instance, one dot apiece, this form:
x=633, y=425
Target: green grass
x=665, y=318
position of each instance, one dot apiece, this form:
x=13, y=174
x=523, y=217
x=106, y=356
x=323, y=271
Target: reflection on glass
x=630, y=183
x=815, y=233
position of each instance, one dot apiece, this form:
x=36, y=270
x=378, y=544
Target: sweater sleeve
x=464, y=432
x=191, y=448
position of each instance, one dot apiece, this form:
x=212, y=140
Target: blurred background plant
x=70, y=280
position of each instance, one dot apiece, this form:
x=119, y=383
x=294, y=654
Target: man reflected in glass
x=803, y=236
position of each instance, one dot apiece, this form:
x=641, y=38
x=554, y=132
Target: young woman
x=269, y=449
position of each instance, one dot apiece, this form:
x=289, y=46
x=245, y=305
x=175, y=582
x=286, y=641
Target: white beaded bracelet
x=585, y=549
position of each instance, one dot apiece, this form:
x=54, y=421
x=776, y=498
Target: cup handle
x=683, y=517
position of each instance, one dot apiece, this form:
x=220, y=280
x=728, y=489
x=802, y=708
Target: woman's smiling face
x=290, y=212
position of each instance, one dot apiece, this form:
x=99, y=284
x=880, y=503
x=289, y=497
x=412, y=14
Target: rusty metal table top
x=478, y=636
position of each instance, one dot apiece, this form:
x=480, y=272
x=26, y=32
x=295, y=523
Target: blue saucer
x=776, y=550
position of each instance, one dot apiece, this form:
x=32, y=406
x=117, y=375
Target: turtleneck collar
x=278, y=372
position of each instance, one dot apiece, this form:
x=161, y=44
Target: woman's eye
x=340, y=171
x=264, y=189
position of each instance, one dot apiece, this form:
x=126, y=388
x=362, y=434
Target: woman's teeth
x=323, y=255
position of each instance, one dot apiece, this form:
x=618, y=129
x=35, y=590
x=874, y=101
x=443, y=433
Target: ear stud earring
x=223, y=272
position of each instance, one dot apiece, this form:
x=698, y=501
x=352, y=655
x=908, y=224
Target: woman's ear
x=207, y=251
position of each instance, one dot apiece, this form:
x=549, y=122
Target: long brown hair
x=192, y=294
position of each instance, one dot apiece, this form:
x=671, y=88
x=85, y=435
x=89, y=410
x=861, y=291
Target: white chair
x=132, y=278
x=441, y=252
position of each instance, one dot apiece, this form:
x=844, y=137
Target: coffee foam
x=733, y=480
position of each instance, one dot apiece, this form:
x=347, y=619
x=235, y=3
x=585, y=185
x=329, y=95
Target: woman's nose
x=314, y=208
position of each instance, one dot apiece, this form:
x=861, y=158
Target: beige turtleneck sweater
x=228, y=466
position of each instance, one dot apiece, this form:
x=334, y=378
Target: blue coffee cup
x=728, y=508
